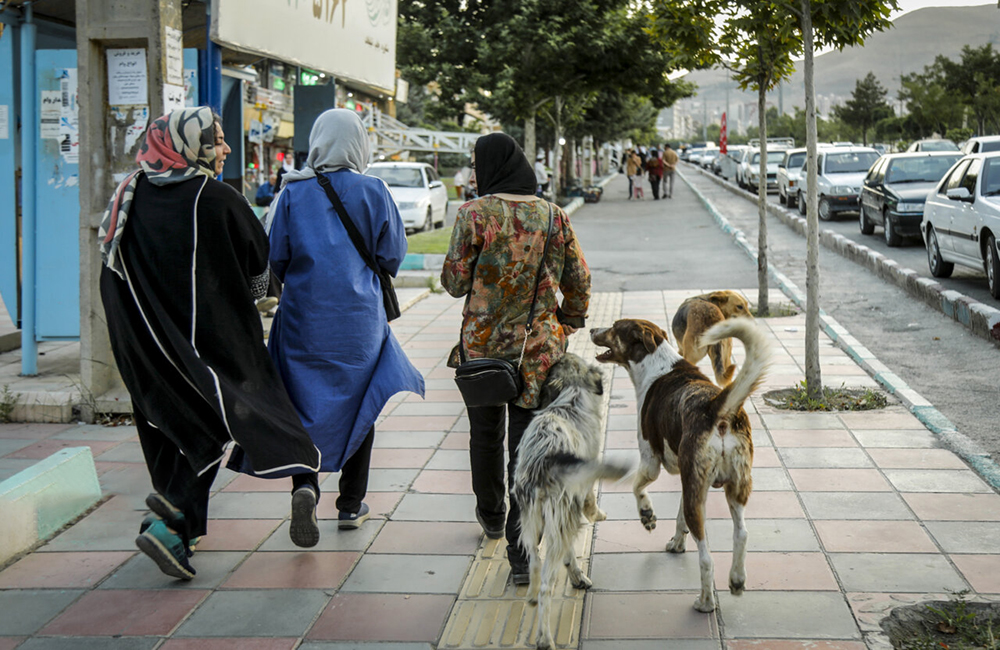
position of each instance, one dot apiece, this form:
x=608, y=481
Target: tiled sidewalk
x=851, y=514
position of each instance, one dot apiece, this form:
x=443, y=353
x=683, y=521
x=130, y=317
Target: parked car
x=981, y=144
x=420, y=195
x=729, y=162
x=962, y=219
x=895, y=189
x=743, y=166
x=937, y=144
x=693, y=149
x=708, y=158
x=790, y=175
x=839, y=175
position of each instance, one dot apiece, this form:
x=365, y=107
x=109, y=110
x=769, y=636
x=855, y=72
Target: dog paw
x=705, y=605
x=599, y=515
x=543, y=645
x=736, y=588
x=648, y=519
x=676, y=545
x=582, y=582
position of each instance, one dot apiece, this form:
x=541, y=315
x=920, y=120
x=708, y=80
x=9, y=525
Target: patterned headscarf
x=176, y=147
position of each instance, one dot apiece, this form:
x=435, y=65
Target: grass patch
x=834, y=399
x=956, y=624
x=8, y=400
x=434, y=242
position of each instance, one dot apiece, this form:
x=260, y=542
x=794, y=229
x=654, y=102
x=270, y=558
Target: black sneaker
x=304, y=530
x=493, y=532
x=520, y=571
x=353, y=520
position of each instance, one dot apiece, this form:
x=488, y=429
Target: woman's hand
x=569, y=329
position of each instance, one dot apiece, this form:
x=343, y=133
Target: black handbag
x=494, y=382
x=389, y=300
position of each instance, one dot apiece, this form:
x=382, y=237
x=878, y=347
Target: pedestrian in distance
x=265, y=193
x=633, y=168
x=330, y=339
x=497, y=251
x=669, y=167
x=654, y=168
x=541, y=175
x=461, y=180
x=184, y=260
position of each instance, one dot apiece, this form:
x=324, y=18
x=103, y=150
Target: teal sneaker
x=148, y=521
x=173, y=517
x=166, y=548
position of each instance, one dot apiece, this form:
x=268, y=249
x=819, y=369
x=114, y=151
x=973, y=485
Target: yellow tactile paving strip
x=490, y=611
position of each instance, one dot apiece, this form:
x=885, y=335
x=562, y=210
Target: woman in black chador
x=185, y=258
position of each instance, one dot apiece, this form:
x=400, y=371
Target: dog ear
x=649, y=340
x=718, y=298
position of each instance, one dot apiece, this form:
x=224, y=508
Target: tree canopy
x=866, y=106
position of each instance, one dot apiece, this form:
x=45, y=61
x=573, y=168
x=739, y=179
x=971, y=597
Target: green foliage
x=866, y=106
x=832, y=399
x=8, y=400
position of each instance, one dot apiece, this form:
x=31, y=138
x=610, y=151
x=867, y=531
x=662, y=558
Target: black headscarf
x=502, y=167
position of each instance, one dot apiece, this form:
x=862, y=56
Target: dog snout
x=597, y=331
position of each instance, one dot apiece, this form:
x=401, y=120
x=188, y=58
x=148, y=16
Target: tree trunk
x=571, y=171
x=557, y=150
x=588, y=161
x=814, y=379
x=762, y=298
x=529, y=139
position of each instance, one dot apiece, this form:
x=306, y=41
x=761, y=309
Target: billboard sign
x=354, y=41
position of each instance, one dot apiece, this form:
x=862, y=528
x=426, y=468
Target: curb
x=929, y=416
x=978, y=317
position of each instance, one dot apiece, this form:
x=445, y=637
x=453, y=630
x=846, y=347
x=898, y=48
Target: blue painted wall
x=8, y=168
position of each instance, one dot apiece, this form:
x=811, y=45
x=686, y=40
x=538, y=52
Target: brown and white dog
x=691, y=427
x=693, y=319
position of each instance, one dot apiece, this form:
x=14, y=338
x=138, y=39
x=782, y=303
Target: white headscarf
x=338, y=140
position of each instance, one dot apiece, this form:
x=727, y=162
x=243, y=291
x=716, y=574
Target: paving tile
x=92, y=643
x=937, y=480
x=768, y=479
x=131, y=479
x=10, y=642
x=408, y=574
x=32, y=430
x=778, y=571
x=955, y=507
x=785, y=420
x=247, y=483
x=228, y=644
x=111, y=527
x=646, y=616
x=250, y=505
x=855, y=505
x=645, y=571
x=10, y=445
x=766, y=457
x=236, y=534
x=111, y=612
x=839, y=480
x=408, y=439
x=825, y=457
x=395, y=458
x=383, y=617
x=255, y=613
x=647, y=644
x=787, y=615
x=125, y=452
x=98, y=432
x=418, y=422
x=410, y=409
x=886, y=419
x=903, y=572
x=874, y=537
x=456, y=440
x=443, y=482
x=982, y=571
x=61, y=570
x=775, y=644
x=382, y=504
x=966, y=537
x=451, y=459
x=26, y=611
x=436, y=507
x=902, y=438
x=301, y=570
x=11, y=466
x=379, y=480
x=44, y=448
x=331, y=538
x=436, y=538
x=765, y=535
x=916, y=459
x=664, y=483
x=351, y=645
x=813, y=438
x=142, y=573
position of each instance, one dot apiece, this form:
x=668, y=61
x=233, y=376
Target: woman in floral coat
x=496, y=248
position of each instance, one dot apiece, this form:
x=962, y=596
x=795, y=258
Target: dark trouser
x=353, y=477
x=274, y=286
x=629, y=187
x=654, y=181
x=174, y=478
x=486, y=428
x=668, y=185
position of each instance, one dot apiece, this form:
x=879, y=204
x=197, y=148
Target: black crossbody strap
x=352, y=230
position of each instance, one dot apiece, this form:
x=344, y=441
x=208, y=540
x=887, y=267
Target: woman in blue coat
x=330, y=339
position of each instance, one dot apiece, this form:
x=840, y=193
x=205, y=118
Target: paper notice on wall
x=69, y=125
x=4, y=122
x=127, y=77
x=173, y=50
x=50, y=114
x=173, y=98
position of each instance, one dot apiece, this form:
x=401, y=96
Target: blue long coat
x=330, y=340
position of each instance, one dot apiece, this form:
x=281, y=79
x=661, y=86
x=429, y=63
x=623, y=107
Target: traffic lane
x=935, y=355
x=911, y=254
x=648, y=245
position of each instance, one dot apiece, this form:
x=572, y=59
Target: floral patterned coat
x=495, y=250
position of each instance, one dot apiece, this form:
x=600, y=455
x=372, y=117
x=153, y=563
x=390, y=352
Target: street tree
x=866, y=106
x=756, y=42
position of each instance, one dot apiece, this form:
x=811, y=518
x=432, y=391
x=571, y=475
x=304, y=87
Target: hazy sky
x=910, y=5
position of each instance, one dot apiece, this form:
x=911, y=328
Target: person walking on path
x=633, y=169
x=654, y=167
x=330, y=339
x=184, y=260
x=669, y=167
x=495, y=253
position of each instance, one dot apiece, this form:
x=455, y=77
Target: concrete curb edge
x=923, y=410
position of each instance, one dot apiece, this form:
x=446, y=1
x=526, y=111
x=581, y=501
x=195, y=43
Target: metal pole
x=29, y=134
x=210, y=68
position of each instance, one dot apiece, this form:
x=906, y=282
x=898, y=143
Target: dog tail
x=758, y=358
x=579, y=475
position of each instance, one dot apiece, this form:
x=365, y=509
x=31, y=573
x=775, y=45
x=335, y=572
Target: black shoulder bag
x=389, y=300
x=493, y=382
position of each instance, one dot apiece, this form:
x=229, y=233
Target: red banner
x=722, y=135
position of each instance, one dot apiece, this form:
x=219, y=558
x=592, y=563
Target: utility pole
x=728, y=114
x=704, y=118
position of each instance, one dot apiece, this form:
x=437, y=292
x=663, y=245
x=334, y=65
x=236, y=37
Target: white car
x=981, y=144
x=840, y=174
x=790, y=176
x=421, y=197
x=961, y=222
